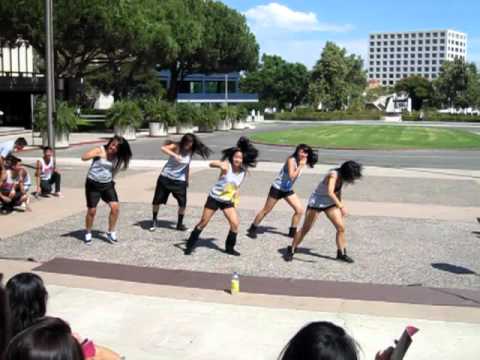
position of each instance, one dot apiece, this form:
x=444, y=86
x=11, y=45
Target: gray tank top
x=101, y=170
x=227, y=185
x=177, y=170
x=283, y=182
x=319, y=198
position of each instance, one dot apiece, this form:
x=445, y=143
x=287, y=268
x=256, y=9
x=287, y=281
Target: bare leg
x=296, y=205
x=205, y=219
x=89, y=218
x=310, y=217
x=232, y=217
x=113, y=217
x=269, y=205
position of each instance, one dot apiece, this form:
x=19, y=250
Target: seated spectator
x=47, y=339
x=321, y=341
x=10, y=147
x=28, y=297
x=4, y=319
x=14, y=185
x=47, y=174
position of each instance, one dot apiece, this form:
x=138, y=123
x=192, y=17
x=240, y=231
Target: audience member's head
x=4, y=319
x=47, y=153
x=20, y=143
x=27, y=296
x=321, y=341
x=47, y=339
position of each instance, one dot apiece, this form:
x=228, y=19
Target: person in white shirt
x=47, y=175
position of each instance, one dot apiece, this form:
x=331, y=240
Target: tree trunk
x=173, y=86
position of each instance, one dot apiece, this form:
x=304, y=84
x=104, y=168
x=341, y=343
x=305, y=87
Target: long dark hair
x=198, y=147
x=5, y=330
x=124, y=153
x=350, y=171
x=312, y=157
x=250, y=153
x=321, y=340
x=28, y=297
x=49, y=338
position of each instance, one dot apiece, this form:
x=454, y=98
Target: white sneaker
x=112, y=237
x=88, y=238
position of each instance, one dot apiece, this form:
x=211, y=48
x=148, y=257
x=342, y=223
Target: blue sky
x=298, y=29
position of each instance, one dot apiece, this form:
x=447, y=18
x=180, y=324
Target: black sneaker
x=252, y=232
x=344, y=257
x=232, y=251
x=290, y=253
x=181, y=227
x=188, y=251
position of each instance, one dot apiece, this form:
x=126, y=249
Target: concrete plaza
x=412, y=229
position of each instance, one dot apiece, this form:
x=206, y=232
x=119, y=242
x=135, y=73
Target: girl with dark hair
x=282, y=188
x=5, y=328
x=107, y=161
x=49, y=338
x=27, y=297
x=175, y=175
x=224, y=195
x=327, y=198
x=321, y=340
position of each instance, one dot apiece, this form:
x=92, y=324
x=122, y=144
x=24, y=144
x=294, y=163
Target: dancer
x=107, y=161
x=282, y=188
x=224, y=195
x=47, y=174
x=175, y=175
x=14, y=185
x=327, y=198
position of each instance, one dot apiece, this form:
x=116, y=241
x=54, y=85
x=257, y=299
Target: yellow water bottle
x=235, y=284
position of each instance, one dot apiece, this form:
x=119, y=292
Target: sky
x=298, y=29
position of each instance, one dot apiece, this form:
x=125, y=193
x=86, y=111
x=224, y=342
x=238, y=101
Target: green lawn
x=373, y=137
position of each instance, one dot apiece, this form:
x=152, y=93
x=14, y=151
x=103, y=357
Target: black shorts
x=214, y=204
x=321, y=209
x=165, y=186
x=94, y=191
x=279, y=194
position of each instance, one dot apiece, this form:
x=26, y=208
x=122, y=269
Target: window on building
x=372, y=62
x=392, y=49
x=427, y=34
x=405, y=69
x=398, y=76
x=414, y=35
x=434, y=55
x=384, y=82
x=392, y=62
x=390, y=82
x=399, y=55
x=435, y=41
x=427, y=48
x=372, y=43
x=434, y=76
x=379, y=63
x=405, y=49
x=435, y=34
x=372, y=36
x=385, y=62
x=392, y=36
x=412, y=62
x=399, y=62
x=442, y=48
x=434, y=69
x=412, y=48
x=405, y=42
x=406, y=35
x=399, y=42
x=399, y=36
x=385, y=69
x=385, y=36
x=385, y=43
x=434, y=62
x=427, y=69
x=420, y=55
x=412, y=55
x=419, y=62
x=420, y=48
x=427, y=41
x=412, y=69
x=405, y=62
x=398, y=69
x=399, y=49
x=427, y=62
x=390, y=76
x=371, y=76
x=391, y=69
x=419, y=69
x=441, y=62
x=392, y=56
x=385, y=56
x=392, y=42
x=379, y=43
x=413, y=42
x=420, y=42
x=442, y=34
x=379, y=56
x=377, y=69
x=442, y=41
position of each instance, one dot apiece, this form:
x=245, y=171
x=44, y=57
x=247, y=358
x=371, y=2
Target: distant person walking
x=175, y=175
x=327, y=198
x=107, y=161
x=225, y=193
x=282, y=188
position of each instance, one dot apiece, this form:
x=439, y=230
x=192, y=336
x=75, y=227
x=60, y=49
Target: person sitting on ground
x=47, y=339
x=28, y=297
x=11, y=146
x=47, y=174
x=4, y=319
x=15, y=185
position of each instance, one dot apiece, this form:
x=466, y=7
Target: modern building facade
x=393, y=56
x=19, y=81
x=201, y=88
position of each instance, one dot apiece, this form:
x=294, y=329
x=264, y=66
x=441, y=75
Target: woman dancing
x=224, y=195
x=327, y=198
x=282, y=188
x=107, y=161
x=175, y=175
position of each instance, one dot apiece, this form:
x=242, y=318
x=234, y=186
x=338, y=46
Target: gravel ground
x=386, y=250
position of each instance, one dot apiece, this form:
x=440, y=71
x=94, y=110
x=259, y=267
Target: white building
x=17, y=61
x=396, y=55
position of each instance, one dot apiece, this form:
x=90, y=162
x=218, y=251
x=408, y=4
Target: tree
x=337, y=79
x=279, y=83
x=458, y=84
x=207, y=36
x=418, y=88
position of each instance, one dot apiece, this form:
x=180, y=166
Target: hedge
x=325, y=116
x=434, y=116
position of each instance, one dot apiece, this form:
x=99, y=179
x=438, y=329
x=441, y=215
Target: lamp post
x=50, y=75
